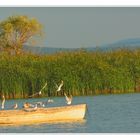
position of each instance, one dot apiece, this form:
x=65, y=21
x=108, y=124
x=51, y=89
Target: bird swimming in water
x=2, y=101
x=68, y=99
x=60, y=86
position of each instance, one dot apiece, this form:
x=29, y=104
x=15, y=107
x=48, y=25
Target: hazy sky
x=82, y=27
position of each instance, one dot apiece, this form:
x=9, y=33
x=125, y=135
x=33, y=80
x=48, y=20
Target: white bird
x=39, y=93
x=31, y=105
x=68, y=99
x=35, y=108
x=27, y=109
x=50, y=101
x=28, y=105
x=15, y=106
x=3, y=102
x=41, y=104
x=60, y=86
x=44, y=86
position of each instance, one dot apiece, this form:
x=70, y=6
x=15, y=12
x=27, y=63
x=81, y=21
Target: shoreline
x=102, y=94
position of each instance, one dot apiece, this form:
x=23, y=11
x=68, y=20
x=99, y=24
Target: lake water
x=106, y=114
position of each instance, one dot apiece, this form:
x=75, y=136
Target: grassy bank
x=83, y=73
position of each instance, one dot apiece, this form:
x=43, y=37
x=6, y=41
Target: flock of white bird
x=40, y=104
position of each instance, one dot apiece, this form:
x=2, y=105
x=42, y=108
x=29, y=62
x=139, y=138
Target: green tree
x=18, y=30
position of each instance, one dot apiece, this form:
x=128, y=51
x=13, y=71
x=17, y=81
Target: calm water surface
x=106, y=114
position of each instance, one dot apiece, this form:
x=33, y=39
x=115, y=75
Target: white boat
x=43, y=115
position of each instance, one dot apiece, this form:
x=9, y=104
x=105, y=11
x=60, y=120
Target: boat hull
x=43, y=115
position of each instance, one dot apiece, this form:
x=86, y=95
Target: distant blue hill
x=127, y=43
x=47, y=50
x=131, y=41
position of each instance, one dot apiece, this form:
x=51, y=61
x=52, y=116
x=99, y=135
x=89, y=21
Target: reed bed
x=83, y=73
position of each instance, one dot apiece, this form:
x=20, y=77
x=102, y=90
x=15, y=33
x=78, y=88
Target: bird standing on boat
x=43, y=104
x=2, y=101
x=50, y=101
x=26, y=105
x=68, y=99
x=15, y=106
x=35, y=108
x=60, y=86
x=40, y=104
x=28, y=109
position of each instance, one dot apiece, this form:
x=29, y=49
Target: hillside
x=126, y=43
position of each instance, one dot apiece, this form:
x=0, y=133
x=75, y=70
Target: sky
x=76, y=27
